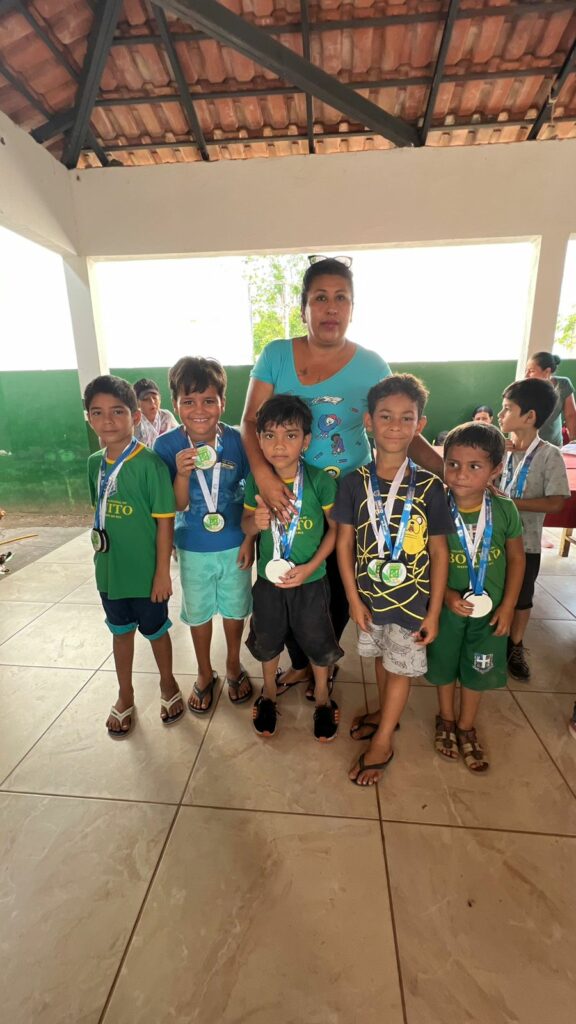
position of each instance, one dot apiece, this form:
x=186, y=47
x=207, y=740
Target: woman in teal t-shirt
x=333, y=375
x=543, y=365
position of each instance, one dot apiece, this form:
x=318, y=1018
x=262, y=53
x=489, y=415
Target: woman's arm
x=550, y=503
x=424, y=455
x=569, y=412
x=275, y=493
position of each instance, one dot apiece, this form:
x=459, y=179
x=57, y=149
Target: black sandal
x=235, y=684
x=201, y=694
x=363, y=767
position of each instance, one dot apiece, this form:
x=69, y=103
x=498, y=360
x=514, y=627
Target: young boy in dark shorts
x=132, y=494
x=484, y=579
x=535, y=478
x=291, y=596
x=393, y=559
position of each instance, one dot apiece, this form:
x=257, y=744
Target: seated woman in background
x=543, y=365
x=483, y=414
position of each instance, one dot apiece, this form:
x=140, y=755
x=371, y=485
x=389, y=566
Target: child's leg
x=469, y=704
x=445, y=726
x=269, y=673
x=202, y=639
x=162, y=651
x=446, y=702
x=233, y=630
x=326, y=715
x=364, y=726
x=380, y=749
x=123, y=648
x=519, y=624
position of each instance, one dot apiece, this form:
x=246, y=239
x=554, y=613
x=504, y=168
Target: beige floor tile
x=550, y=713
x=66, y=636
x=78, y=757
x=260, y=926
x=545, y=605
x=14, y=617
x=290, y=771
x=79, y=550
x=43, y=582
x=46, y=691
x=553, y=564
x=485, y=933
x=552, y=655
x=522, y=789
x=74, y=875
x=563, y=589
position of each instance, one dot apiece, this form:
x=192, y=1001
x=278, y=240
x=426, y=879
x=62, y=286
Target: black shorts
x=126, y=614
x=303, y=612
x=526, y=595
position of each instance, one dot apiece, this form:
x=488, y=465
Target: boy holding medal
x=208, y=467
x=132, y=539
x=535, y=478
x=486, y=569
x=393, y=558
x=291, y=595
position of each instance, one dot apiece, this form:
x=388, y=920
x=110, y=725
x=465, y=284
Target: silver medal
x=482, y=603
x=276, y=568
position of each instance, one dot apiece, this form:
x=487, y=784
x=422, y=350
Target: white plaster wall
x=35, y=194
x=308, y=203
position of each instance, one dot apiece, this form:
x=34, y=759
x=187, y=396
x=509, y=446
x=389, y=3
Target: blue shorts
x=213, y=584
x=126, y=614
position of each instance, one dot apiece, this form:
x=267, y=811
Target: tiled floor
x=197, y=875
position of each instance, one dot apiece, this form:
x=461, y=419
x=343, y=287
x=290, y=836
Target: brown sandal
x=445, y=738
x=471, y=750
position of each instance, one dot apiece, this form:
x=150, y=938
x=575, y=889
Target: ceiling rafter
x=99, y=41
x=231, y=30
x=547, y=110
x=306, y=54
x=181, y=83
x=439, y=69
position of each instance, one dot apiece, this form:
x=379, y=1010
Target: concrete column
x=544, y=299
x=91, y=354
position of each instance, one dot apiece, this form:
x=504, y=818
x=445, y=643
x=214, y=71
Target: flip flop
x=200, y=694
x=282, y=688
x=310, y=696
x=366, y=725
x=167, y=706
x=121, y=717
x=370, y=767
x=235, y=684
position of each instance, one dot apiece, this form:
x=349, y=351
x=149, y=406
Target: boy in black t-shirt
x=393, y=558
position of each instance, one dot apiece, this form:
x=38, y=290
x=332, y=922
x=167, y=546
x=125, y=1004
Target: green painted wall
x=42, y=424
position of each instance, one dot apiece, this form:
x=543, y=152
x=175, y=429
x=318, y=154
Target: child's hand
x=185, y=461
x=245, y=558
x=456, y=603
x=161, y=587
x=262, y=514
x=360, y=614
x=502, y=620
x=428, y=631
x=295, y=578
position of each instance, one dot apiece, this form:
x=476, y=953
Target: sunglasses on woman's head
x=345, y=260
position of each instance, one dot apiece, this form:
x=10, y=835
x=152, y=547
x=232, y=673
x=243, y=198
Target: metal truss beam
x=104, y=26
x=439, y=69
x=517, y=10
x=306, y=53
x=545, y=114
x=231, y=30
x=182, y=84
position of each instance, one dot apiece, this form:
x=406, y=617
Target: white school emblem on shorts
x=483, y=662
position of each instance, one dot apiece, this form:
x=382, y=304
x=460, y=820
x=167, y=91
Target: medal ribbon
x=106, y=479
x=513, y=482
x=210, y=496
x=283, y=536
x=380, y=515
x=483, y=535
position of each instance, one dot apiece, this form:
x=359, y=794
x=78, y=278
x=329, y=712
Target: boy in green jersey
x=132, y=495
x=484, y=580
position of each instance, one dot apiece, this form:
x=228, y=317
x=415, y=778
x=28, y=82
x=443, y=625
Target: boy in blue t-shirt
x=208, y=467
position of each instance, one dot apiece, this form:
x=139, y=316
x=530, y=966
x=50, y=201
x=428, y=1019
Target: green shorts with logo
x=466, y=649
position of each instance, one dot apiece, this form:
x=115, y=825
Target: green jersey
x=506, y=525
x=318, y=497
x=141, y=494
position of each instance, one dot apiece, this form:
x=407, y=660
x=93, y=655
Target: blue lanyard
x=107, y=475
x=514, y=488
x=477, y=577
x=284, y=536
x=381, y=513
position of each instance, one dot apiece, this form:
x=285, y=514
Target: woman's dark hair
x=109, y=385
x=477, y=435
x=327, y=266
x=546, y=360
x=483, y=408
x=533, y=393
x=194, y=373
x=280, y=410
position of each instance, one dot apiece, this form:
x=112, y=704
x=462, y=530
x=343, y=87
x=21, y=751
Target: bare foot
x=291, y=677
x=112, y=723
x=364, y=726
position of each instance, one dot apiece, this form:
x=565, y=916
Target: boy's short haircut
x=399, y=384
x=145, y=386
x=477, y=435
x=194, y=373
x=533, y=393
x=281, y=410
x=109, y=385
